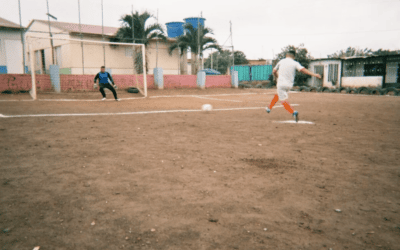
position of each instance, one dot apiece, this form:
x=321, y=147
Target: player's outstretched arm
x=307, y=72
x=96, y=77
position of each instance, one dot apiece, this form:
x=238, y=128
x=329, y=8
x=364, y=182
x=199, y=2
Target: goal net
x=63, y=64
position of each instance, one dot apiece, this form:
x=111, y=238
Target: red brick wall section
x=17, y=82
x=180, y=81
x=218, y=81
x=85, y=82
x=126, y=81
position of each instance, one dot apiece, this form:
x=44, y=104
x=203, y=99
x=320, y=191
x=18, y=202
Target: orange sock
x=274, y=101
x=287, y=107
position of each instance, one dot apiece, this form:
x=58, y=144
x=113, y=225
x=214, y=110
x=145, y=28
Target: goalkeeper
x=105, y=81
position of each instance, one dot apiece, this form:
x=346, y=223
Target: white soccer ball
x=206, y=107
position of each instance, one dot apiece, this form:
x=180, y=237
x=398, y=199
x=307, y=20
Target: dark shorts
x=105, y=85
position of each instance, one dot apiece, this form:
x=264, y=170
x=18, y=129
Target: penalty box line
x=135, y=113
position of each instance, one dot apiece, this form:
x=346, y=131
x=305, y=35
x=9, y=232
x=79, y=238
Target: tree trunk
x=195, y=64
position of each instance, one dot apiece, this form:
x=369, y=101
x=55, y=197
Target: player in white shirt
x=285, y=71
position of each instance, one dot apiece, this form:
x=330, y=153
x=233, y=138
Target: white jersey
x=287, y=71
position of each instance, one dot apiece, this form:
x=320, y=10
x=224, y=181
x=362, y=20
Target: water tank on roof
x=194, y=21
x=174, y=29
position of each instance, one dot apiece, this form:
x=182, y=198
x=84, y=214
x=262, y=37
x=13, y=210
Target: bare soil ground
x=226, y=179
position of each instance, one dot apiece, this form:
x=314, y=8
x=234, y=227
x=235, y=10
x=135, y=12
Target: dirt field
x=226, y=179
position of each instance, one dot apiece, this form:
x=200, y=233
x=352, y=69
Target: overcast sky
x=260, y=27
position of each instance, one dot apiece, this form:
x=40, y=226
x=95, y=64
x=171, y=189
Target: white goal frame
x=30, y=39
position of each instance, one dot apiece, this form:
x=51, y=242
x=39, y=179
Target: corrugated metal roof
x=86, y=29
x=8, y=24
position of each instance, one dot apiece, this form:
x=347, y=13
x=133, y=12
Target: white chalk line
x=216, y=99
x=133, y=113
x=129, y=98
x=294, y=122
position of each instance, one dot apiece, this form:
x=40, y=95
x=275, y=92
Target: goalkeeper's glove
x=115, y=86
x=95, y=86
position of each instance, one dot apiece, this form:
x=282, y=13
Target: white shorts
x=283, y=92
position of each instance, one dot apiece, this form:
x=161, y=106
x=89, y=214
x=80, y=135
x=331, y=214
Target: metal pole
x=133, y=47
x=144, y=70
x=31, y=56
x=198, y=43
x=80, y=32
x=22, y=37
x=233, y=51
x=212, y=60
x=179, y=60
x=102, y=33
x=157, y=46
x=51, y=40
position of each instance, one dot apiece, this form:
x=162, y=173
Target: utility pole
x=22, y=38
x=51, y=40
x=211, y=60
x=102, y=33
x=198, y=43
x=233, y=51
x=157, y=45
x=202, y=56
x=80, y=33
x=133, y=47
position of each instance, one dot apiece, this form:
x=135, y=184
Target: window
x=333, y=73
x=374, y=69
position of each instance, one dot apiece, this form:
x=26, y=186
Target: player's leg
x=113, y=91
x=283, y=97
x=273, y=102
x=102, y=91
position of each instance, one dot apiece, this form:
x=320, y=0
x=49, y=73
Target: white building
x=11, y=52
x=354, y=72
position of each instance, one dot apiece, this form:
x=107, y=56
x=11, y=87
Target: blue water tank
x=194, y=21
x=174, y=29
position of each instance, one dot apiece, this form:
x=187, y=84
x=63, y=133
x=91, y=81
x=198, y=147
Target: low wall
x=180, y=81
x=364, y=81
x=18, y=82
x=218, y=81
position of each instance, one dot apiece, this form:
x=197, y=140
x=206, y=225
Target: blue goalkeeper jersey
x=104, y=78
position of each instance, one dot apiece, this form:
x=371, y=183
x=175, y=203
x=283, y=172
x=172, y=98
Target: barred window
x=333, y=72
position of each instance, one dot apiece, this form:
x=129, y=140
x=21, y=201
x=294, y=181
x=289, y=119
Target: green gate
x=253, y=73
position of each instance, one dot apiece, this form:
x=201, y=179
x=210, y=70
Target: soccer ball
x=206, y=107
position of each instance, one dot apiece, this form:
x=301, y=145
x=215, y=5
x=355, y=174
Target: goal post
x=83, y=58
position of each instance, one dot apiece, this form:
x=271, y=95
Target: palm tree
x=141, y=33
x=190, y=40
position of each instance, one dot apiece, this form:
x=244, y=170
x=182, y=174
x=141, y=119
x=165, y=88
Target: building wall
x=39, y=30
x=7, y=35
x=362, y=81
x=325, y=83
x=117, y=58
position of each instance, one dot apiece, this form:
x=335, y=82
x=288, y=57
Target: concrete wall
x=9, y=34
x=364, y=81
